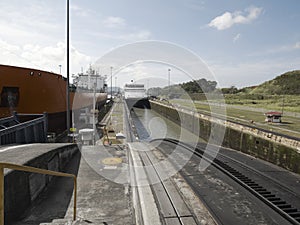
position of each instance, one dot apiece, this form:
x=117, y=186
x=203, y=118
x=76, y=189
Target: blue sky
x=243, y=42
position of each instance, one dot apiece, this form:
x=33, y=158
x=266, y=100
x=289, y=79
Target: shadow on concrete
x=52, y=203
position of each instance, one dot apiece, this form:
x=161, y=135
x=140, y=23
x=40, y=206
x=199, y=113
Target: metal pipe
x=32, y=170
x=75, y=199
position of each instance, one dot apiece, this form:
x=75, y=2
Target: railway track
x=236, y=164
x=278, y=204
x=173, y=209
x=172, y=206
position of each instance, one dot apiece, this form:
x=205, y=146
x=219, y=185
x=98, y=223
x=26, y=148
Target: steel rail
x=31, y=170
x=251, y=169
x=166, y=191
x=281, y=207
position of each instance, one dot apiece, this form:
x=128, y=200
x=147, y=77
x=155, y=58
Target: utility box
x=86, y=136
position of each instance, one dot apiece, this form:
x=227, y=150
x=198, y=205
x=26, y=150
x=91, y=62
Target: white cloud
x=236, y=37
x=31, y=21
x=42, y=57
x=228, y=19
x=130, y=36
x=8, y=48
x=80, y=60
x=114, y=22
x=297, y=45
x=80, y=11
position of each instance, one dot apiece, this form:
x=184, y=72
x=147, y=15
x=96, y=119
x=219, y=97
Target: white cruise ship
x=135, y=96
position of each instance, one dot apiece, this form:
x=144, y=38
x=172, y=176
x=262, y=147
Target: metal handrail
x=32, y=170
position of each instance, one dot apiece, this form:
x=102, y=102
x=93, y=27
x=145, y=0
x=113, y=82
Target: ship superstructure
x=90, y=80
x=135, y=95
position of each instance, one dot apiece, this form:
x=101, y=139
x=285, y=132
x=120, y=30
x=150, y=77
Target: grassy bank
x=290, y=103
x=244, y=113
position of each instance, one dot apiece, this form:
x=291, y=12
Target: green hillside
x=285, y=84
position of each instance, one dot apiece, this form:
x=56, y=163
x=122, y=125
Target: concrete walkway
x=103, y=196
x=103, y=180
x=102, y=191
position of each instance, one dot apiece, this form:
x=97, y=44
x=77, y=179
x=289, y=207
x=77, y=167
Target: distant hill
x=287, y=83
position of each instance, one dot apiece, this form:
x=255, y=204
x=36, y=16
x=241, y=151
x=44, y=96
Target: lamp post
x=111, y=68
x=169, y=70
x=68, y=67
x=147, y=88
x=116, y=83
x=94, y=111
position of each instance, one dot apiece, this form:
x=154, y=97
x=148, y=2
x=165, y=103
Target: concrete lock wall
x=22, y=188
x=276, y=149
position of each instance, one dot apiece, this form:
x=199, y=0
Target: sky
x=242, y=43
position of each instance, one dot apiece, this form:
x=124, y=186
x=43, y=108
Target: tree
x=199, y=86
x=231, y=90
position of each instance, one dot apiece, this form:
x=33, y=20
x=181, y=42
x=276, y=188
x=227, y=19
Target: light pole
x=111, y=69
x=169, y=70
x=59, y=69
x=94, y=111
x=147, y=87
x=68, y=67
x=116, y=83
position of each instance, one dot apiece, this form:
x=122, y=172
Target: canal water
x=151, y=125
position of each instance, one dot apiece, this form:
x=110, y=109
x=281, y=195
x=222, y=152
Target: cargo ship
x=135, y=96
x=32, y=91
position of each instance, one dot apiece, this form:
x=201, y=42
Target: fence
x=13, y=131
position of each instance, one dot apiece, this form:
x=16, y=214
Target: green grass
x=290, y=124
x=290, y=103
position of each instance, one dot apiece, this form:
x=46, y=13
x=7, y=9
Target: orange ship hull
x=34, y=91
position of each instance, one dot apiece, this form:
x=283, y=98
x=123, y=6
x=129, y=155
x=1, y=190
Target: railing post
x=75, y=198
x=45, y=120
x=1, y=195
x=15, y=115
